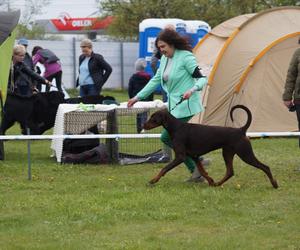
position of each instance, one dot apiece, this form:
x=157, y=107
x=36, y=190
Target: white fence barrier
x=130, y=136
x=91, y=136
x=117, y=137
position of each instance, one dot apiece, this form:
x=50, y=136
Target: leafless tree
x=30, y=10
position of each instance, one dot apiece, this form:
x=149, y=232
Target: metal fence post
x=74, y=60
x=122, y=64
x=113, y=143
x=28, y=155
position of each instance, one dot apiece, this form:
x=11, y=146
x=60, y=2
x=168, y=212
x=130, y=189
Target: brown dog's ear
x=164, y=108
x=163, y=111
x=163, y=115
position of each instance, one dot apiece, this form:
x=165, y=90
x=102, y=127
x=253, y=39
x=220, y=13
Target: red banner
x=89, y=23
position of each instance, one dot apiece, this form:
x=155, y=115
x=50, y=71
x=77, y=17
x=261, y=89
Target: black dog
x=38, y=112
x=91, y=99
x=194, y=140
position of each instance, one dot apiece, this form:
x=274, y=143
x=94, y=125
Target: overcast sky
x=76, y=8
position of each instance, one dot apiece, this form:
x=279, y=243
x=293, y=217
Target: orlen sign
x=89, y=23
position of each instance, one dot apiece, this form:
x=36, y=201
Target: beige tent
x=210, y=46
x=246, y=59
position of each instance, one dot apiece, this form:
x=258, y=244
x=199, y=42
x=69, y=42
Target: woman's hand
x=131, y=102
x=35, y=90
x=47, y=82
x=288, y=104
x=187, y=94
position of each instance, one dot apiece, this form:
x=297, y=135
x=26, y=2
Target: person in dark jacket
x=21, y=76
x=291, y=95
x=136, y=83
x=93, y=70
x=27, y=58
x=28, y=61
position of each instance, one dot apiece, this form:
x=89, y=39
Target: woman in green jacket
x=180, y=77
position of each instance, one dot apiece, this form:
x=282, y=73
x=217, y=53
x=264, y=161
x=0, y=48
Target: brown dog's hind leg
x=245, y=152
x=228, y=158
x=202, y=171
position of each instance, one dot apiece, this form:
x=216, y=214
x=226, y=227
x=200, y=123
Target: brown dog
x=195, y=140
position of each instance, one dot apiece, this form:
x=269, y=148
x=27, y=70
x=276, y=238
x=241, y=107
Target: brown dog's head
x=157, y=119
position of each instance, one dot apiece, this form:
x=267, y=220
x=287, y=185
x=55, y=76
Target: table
x=71, y=119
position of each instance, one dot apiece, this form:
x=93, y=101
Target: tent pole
x=228, y=111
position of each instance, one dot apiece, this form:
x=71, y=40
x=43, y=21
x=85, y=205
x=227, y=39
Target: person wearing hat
x=136, y=83
x=29, y=63
x=27, y=58
x=93, y=70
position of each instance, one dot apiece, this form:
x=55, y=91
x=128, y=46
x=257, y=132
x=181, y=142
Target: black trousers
x=298, y=118
x=57, y=76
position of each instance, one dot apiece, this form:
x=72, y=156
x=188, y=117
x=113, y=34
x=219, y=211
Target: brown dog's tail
x=249, y=120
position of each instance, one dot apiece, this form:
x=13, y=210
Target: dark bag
x=97, y=155
x=76, y=146
x=49, y=56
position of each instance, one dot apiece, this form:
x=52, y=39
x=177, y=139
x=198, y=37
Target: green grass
x=112, y=207
x=119, y=94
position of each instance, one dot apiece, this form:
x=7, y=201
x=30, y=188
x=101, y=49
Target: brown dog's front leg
x=202, y=171
x=166, y=169
x=157, y=178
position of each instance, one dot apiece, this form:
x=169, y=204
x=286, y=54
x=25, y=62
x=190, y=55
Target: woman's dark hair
x=35, y=50
x=171, y=37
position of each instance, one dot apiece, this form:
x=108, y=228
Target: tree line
x=129, y=13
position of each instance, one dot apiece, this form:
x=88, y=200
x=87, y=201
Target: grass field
x=112, y=207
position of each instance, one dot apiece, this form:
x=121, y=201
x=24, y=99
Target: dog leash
x=180, y=101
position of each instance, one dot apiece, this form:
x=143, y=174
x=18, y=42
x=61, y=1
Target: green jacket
x=180, y=80
x=292, y=84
